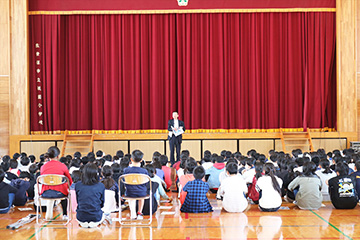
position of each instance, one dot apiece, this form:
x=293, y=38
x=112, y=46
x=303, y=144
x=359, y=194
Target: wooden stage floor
x=292, y=223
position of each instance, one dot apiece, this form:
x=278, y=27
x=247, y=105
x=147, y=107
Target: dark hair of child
x=342, y=168
x=190, y=166
x=357, y=165
x=52, y=152
x=76, y=176
x=164, y=160
x=23, y=175
x=151, y=170
x=32, y=158
x=89, y=174
x=75, y=163
x=13, y=164
x=137, y=156
x=99, y=153
x=232, y=168
x=33, y=168
x=259, y=167
x=6, y=158
x=77, y=155
x=199, y=172
x=5, y=166
x=309, y=169
x=107, y=180
x=325, y=165
x=157, y=164
x=120, y=154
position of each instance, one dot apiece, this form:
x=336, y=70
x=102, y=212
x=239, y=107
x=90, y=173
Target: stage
x=196, y=143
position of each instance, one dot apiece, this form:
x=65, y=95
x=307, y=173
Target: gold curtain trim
x=187, y=131
x=168, y=11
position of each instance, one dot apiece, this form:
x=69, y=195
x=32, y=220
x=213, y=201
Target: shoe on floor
x=140, y=216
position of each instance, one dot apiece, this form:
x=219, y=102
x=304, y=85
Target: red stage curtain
x=220, y=71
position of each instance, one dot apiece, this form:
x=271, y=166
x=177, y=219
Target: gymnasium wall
x=4, y=75
x=195, y=143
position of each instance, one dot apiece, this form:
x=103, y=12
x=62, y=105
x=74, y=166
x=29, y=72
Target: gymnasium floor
x=291, y=223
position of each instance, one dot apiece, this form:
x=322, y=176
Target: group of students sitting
x=305, y=179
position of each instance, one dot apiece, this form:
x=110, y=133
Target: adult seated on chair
x=55, y=167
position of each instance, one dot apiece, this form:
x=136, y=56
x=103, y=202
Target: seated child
x=7, y=194
x=214, y=173
x=90, y=195
x=342, y=188
x=189, y=176
x=167, y=170
x=14, y=168
x=136, y=190
x=110, y=184
x=22, y=184
x=253, y=194
x=356, y=174
x=325, y=173
x=269, y=188
x=309, y=195
x=196, y=200
x=34, y=174
x=76, y=177
x=233, y=190
x=24, y=164
x=156, y=185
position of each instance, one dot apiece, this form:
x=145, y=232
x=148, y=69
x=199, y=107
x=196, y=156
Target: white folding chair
x=53, y=180
x=135, y=179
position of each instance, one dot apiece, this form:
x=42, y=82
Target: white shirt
x=248, y=175
x=176, y=123
x=233, y=189
x=270, y=198
x=325, y=188
x=207, y=165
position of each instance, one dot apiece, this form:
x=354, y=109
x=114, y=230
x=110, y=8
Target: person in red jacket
x=53, y=166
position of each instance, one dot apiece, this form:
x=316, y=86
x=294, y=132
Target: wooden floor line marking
x=34, y=234
x=333, y=226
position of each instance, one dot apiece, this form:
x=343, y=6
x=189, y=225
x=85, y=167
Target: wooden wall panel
x=4, y=75
x=19, y=87
x=4, y=115
x=261, y=146
x=194, y=146
x=4, y=38
x=357, y=43
x=216, y=146
x=36, y=148
x=329, y=144
x=111, y=147
x=346, y=66
x=148, y=148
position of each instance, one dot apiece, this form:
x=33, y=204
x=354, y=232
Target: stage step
x=288, y=138
x=81, y=141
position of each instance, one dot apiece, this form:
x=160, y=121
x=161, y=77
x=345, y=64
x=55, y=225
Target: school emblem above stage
x=183, y=3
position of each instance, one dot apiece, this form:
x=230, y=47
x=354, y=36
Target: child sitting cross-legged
x=196, y=200
x=7, y=194
x=233, y=190
x=90, y=195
